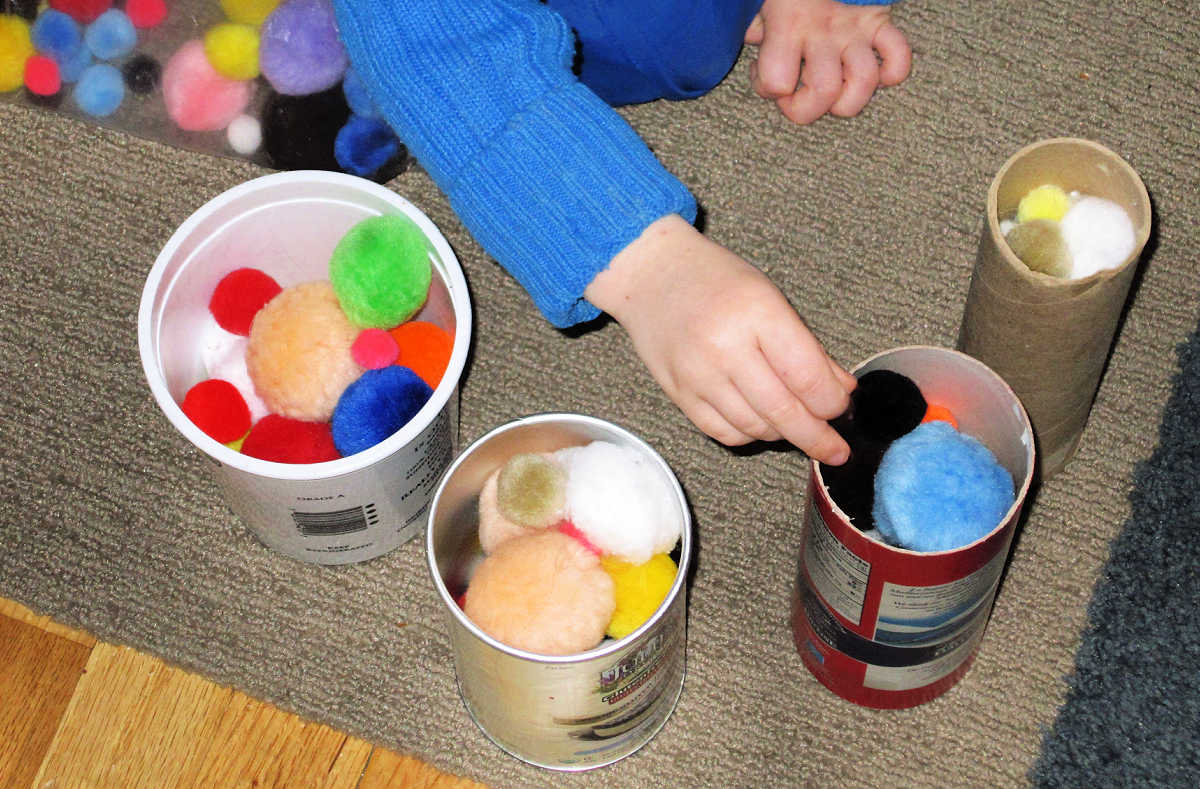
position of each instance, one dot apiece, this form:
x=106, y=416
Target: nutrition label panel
x=838, y=575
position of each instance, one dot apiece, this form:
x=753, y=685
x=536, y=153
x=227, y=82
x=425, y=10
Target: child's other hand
x=837, y=45
x=723, y=342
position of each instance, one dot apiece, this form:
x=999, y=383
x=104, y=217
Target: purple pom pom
x=299, y=51
x=375, y=406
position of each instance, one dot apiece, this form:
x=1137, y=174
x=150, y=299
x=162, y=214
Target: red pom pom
x=42, y=76
x=218, y=408
x=83, y=11
x=239, y=296
x=146, y=13
x=283, y=440
x=571, y=530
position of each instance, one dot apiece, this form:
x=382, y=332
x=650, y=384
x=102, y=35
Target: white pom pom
x=1099, y=235
x=223, y=355
x=621, y=501
x=244, y=134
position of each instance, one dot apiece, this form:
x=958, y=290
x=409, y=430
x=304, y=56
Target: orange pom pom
x=939, y=413
x=425, y=349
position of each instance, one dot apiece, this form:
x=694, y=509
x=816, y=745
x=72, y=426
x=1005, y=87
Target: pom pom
x=365, y=145
x=571, y=530
x=1045, y=202
x=298, y=131
x=71, y=69
x=244, y=134
x=299, y=352
x=361, y=104
x=111, y=35
x=374, y=348
x=938, y=489
x=224, y=356
x=425, y=348
x=41, y=76
x=543, y=593
x=940, y=413
x=620, y=501
x=26, y=9
x=381, y=272
x=300, y=51
x=217, y=408
x=281, y=440
x=239, y=296
x=100, y=90
x=142, y=74
x=16, y=46
x=531, y=490
x=57, y=35
x=1040, y=245
x=84, y=11
x=145, y=14
x=375, y=406
x=248, y=12
x=196, y=96
x=232, y=50
x=1099, y=235
x=639, y=589
x=494, y=528
x=884, y=406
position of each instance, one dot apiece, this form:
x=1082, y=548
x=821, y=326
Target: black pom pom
x=142, y=74
x=299, y=131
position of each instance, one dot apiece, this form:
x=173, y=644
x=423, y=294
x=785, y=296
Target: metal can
x=887, y=627
x=572, y=712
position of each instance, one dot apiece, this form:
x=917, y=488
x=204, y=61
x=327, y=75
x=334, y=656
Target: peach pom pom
x=299, y=352
x=542, y=593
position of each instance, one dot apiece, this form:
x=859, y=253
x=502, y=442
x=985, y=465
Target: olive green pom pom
x=531, y=490
x=1040, y=245
x=381, y=272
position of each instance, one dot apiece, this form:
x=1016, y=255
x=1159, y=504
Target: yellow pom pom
x=640, y=590
x=232, y=50
x=1045, y=202
x=15, y=49
x=236, y=444
x=248, y=12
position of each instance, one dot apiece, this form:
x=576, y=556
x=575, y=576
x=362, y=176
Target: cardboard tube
x=1049, y=337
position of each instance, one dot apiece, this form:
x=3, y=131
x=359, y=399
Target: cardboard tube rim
x=1141, y=222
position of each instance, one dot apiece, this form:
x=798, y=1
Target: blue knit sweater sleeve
x=549, y=179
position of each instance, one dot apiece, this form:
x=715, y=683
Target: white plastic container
x=287, y=224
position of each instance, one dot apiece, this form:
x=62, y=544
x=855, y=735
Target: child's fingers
x=786, y=414
x=712, y=423
x=860, y=77
x=820, y=85
x=777, y=70
x=754, y=33
x=895, y=52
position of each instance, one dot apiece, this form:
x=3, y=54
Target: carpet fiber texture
x=111, y=522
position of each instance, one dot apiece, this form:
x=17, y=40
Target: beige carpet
x=110, y=522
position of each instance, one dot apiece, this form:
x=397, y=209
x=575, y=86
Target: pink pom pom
x=196, y=96
x=374, y=349
x=572, y=531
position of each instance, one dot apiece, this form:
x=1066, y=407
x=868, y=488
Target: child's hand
x=837, y=45
x=723, y=342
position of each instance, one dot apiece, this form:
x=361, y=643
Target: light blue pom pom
x=100, y=90
x=360, y=102
x=111, y=35
x=938, y=489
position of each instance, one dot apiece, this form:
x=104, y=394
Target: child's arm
x=723, y=342
x=818, y=56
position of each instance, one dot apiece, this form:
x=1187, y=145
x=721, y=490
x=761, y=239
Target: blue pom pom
x=375, y=406
x=364, y=145
x=100, y=90
x=111, y=35
x=56, y=35
x=938, y=489
x=360, y=103
x=72, y=68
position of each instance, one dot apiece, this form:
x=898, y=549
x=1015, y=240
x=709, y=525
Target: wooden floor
x=78, y=712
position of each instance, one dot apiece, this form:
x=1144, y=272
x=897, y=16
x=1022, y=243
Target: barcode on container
x=328, y=524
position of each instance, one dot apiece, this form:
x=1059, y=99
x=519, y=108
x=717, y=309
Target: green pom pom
x=1040, y=245
x=531, y=490
x=381, y=272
